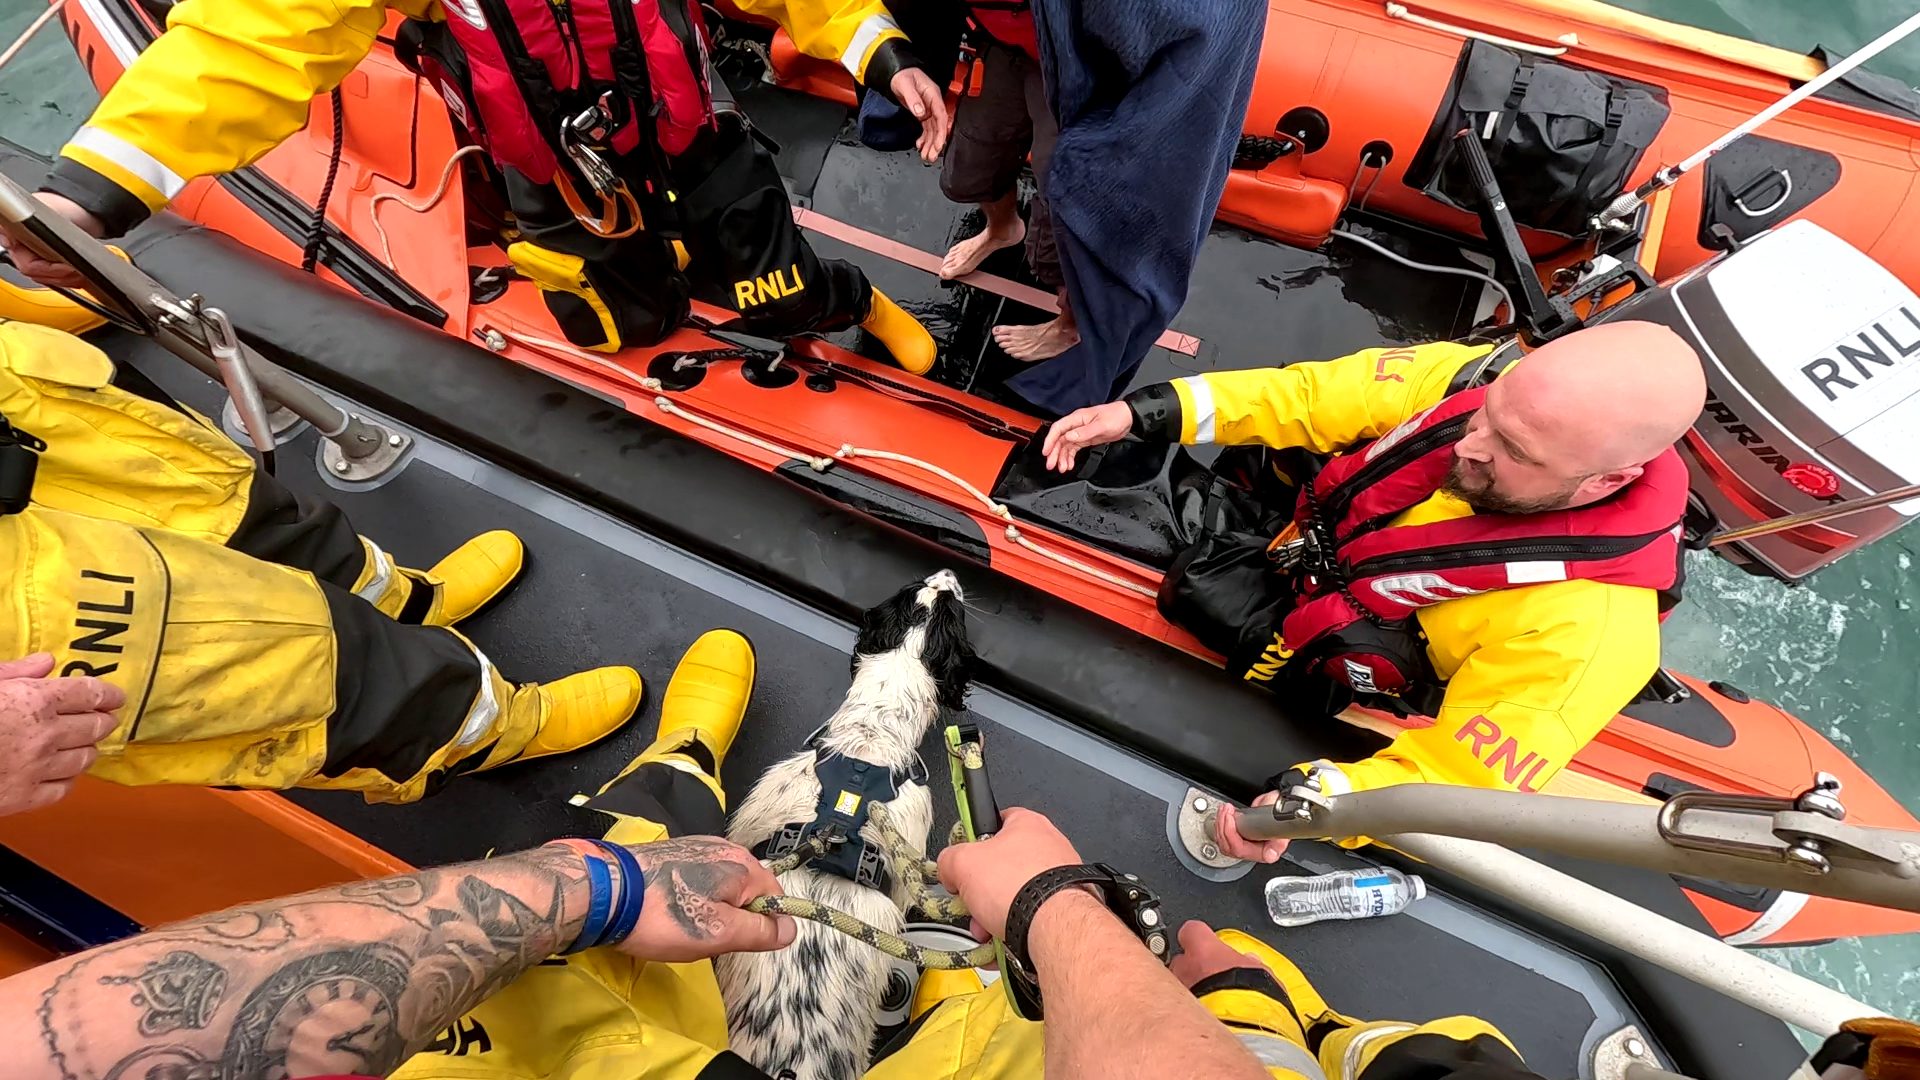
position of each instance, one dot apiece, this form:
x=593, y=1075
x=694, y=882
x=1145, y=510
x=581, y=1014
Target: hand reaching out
x=920, y=95
x=1094, y=426
x=48, y=728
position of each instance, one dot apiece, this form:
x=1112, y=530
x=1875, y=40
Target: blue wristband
x=599, y=905
x=633, y=889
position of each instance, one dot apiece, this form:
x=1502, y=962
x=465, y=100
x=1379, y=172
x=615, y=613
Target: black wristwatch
x=1133, y=903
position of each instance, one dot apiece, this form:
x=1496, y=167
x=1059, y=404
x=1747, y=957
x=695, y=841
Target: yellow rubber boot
x=474, y=573
x=937, y=985
x=543, y=719
x=705, y=701
x=912, y=347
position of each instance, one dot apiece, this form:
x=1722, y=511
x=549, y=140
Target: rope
x=20, y=42
x=1001, y=511
x=817, y=464
x=846, y=451
x=909, y=866
x=891, y=944
x=439, y=192
x=317, y=230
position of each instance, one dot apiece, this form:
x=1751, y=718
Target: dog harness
x=848, y=789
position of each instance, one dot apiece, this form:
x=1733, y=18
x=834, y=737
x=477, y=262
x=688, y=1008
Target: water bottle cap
x=1417, y=886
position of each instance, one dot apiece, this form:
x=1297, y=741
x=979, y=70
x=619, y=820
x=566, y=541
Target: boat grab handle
x=1567, y=40
x=1786, y=178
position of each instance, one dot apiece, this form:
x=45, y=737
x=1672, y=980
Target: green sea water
x=1842, y=651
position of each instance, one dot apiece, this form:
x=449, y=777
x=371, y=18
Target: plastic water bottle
x=1343, y=894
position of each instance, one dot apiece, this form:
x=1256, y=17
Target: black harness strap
x=848, y=789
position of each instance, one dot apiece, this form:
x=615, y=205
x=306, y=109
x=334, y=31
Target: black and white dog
x=808, y=1011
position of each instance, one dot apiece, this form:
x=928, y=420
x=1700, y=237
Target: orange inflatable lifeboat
x=409, y=227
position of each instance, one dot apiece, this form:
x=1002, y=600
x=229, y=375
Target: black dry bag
x=1563, y=140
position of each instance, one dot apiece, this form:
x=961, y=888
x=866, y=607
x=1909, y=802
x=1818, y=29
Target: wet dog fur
x=808, y=1011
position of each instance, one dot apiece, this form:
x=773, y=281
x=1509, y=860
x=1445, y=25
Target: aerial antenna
x=1623, y=207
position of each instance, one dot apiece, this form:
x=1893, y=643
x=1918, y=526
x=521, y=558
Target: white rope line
x=560, y=347
x=817, y=464
x=20, y=42
x=1000, y=511
x=822, y=464
x=440, y=192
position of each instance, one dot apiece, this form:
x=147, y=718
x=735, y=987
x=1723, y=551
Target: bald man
x=1487, y=542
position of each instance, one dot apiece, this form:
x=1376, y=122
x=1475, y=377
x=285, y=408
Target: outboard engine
x=1812, y=353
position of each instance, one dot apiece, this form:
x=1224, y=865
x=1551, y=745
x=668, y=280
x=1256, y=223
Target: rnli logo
x=1499, y=753
x=1271, y=661
x=1870, y=353
x=767, y=289
x=1398, y=435
x=1420, y=590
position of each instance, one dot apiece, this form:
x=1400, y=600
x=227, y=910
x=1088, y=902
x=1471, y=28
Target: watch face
x=334, y=1012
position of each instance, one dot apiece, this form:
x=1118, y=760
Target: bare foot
x=1035, y=343
x=966, y=256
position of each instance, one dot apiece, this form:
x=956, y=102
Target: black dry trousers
x=744, y=251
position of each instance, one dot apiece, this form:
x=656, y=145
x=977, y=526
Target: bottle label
x=1373, y=900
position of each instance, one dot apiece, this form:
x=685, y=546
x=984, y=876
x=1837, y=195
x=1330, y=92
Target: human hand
x=1226, y=832
x=1094, y=426
x=988, y=874
x=43, y=270
x=47, y=731
x=1203, y=955
x=920, y=95
x=695, y=887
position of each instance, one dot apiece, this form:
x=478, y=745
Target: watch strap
x=1037, y=891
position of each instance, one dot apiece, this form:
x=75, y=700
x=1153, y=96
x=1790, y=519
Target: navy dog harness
x=848, y=789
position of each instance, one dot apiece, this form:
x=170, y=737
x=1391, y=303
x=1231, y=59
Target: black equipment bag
x=1563, y=140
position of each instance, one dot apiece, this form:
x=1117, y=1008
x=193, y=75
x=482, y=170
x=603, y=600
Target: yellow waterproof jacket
x=1532, y=673
x=231, y=79
x=111, y=454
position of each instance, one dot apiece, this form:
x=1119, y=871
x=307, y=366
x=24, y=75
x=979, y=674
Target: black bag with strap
x=1563, y=140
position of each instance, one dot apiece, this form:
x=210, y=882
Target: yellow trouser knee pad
x=228, y=663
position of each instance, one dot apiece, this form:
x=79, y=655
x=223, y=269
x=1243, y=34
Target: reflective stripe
x=1274, y=1051
x=863, y=40
x=102, y=21
x=375, y=590
x=1350, y=1063
x=129, y=157
x=1202, y=409
x=486, y=707
x=1533, y=573
x=1771, y=921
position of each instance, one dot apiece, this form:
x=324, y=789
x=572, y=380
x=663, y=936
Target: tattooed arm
x=354, y=979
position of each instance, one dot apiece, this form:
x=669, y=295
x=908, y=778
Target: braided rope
x=920, y=874
x=891, y=944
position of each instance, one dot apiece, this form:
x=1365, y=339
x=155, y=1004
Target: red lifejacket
x=1361, y=581
x=1009, y=22
x=532, y=67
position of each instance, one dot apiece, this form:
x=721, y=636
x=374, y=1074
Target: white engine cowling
x=1812, y=353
